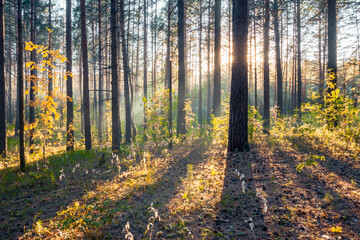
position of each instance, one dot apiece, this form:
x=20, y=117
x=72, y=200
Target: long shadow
x=299, y=200
x=344, y=169
x=239, y=210
x=40, y=194
x=135, y=206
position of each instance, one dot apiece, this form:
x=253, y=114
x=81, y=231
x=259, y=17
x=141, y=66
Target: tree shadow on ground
x=240, y=209
x=39, y=193
x=135, y=204
x=301, y=205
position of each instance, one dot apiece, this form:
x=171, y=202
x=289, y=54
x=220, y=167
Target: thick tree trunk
x=332, y=55
x=126, y=75
x=217, y=66
x=86, y=97
x=21, y=86
x=2, y=83
x=266, y=66
x=279, y=76
x=238, y=126
x=181, y=125
x=69, y=87
x=116, y=127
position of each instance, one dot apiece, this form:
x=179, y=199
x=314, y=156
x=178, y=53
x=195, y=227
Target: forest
x=180, y=119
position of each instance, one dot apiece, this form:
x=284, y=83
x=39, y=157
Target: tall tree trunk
x=298, y=21
x=200, y=69
x=332, y=53
x=86, y=101
x=145, y=60
x=321, y=82
x=33, y=77
x=126, y=74
x=69, y=87
x=217, y=66
x=168, y=81
x=332, y=56
x=17, y=119
x=238, y=123
x=116, y=127
x=279, y=76
x=50, y=77
x=266, y=66
x=255, y=62
x=100, y=101
x=94, y=118
x=21, y=85
x=181, y=125
x=2, y=83
x=10, y=115
x=208, y=67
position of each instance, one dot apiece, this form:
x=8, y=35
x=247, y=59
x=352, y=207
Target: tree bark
x=181, y=125
x=200, y=69
x=217, y=66
x=33, y=78
x=279, y=76
x=2, y=83
x=298, y=20
x=116, y=127
x=69, y=87
x=126, y=74
x=21, y=86
x=145, y=61
x=266, y=66
x=238, y=124
x=100, y=101
x=86, y=101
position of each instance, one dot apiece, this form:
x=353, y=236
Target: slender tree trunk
x=208, y=67
x=69, y=87
x=279, y=76
x=50, y=77
x=116, y=127
x=255, y=62
x=21, y=85
x=298, y=20
x=181, y=125
x=321, y=82
x=2, y=83
x=86, y=77
x=217, y=66
x=200, y=69
x=100, y=101
x=33, y=78
x=168, y=81
x=145, y=60
x=238, y=123
x=17, y=119
x=266, y=66
x=10, y=116
x=126, y=74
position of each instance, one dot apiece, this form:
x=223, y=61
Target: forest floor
x=193, y=191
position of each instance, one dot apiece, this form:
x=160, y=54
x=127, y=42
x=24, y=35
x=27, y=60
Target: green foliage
x=86, y=218
x=220, y=125
x=310, y=161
